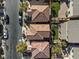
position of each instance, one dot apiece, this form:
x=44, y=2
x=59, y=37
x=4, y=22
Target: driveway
x=73, y=31
x=70, y=29
x=63, y=34
x=75, y=51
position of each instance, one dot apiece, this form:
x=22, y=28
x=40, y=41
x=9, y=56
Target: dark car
x=1, y=6
x=20, y=21
x=27, y=53
x=1, y=51
x=7, y=19
x=0, y=43
x=20, y=13
x=1, y=12
x=1, y=30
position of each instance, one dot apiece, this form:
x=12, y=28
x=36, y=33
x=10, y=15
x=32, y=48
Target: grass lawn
x=55, y=6
x=54, y=31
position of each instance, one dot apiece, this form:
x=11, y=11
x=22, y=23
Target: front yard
x=55, y=7
x=54, y=30
x=57, y=44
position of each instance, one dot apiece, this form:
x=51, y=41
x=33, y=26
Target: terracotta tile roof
x=34, y=14
x=38, y=31
x=41, y=27
x=41, y=49
x=35, y=37
x=40, y=13
x=40, y=8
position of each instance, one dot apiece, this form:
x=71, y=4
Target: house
x=72, y=27
x=39, y=13
x=40, y=50
x=73, y=9
x=38, y=32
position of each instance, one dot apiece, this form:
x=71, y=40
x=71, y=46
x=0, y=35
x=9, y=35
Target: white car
x=5, y=34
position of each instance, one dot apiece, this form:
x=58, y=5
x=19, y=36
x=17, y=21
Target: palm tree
x=23, y=6
x=21, y=47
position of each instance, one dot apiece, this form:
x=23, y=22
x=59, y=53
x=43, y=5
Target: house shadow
x=74, y=44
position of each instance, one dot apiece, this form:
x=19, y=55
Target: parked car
x=1, y=12
x=5, y=34
x=1, y=29
x=0, y=43
x=7, y=19
x=1, y=6
x=1, y=51
x=20, y=21
x=20, y=13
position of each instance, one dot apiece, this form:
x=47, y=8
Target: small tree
x=57, y=49
x=55, y=8
x=21, y=47
x=64, y=44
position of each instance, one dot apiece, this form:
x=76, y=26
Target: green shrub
x=64, y=44
x=57, y=49
x=55, y=6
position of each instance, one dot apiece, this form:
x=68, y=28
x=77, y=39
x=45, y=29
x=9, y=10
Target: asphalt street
x=13, y=28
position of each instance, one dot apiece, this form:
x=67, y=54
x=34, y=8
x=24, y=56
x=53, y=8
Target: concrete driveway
x=76, y=52
x=70, y=29
x=63, y=34
x=73, y=31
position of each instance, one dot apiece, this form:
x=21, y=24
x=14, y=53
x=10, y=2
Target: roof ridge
x=44, y=10
x=39, y=14
x=40, y=35
x=45, y=48
x=35, y=52
x=35, y=13
x=33, y=30
x=39, y=53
